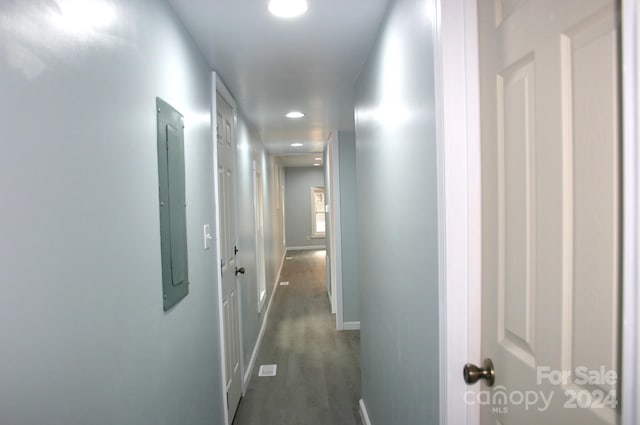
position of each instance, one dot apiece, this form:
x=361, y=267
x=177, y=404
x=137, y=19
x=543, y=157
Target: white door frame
x=217, y=86
x=258, y=210
x=335, y=231
x=631, y=205
x=459, y=202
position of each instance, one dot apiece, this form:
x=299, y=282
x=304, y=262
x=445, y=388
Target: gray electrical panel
x=173, y=206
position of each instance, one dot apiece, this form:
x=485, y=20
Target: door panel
x=550, y=167
x=226, y=202
x=516, y=311
x=594, y=108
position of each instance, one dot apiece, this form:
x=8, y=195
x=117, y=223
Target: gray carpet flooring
x=318, y=374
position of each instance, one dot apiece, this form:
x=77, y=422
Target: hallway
x=318, y=374
x=471, y=167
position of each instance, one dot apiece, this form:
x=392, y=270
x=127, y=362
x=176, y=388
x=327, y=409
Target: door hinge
x=235, y=250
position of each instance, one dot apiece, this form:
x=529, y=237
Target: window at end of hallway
x=317, y=212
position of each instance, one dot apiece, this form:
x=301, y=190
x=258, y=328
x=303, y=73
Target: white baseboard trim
x=364, y=413
x=284, y=256
x=351, y=326
x=258, y=344
x=304, y=248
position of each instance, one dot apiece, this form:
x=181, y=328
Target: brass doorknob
x=239, y=270
x=473, y=373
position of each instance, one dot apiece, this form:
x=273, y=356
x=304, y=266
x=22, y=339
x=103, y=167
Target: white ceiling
x=273, y=65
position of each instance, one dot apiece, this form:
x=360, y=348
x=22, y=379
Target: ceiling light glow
x=316, y=165
x=288, y=8
x=83, y=16
x=295, y=114
x=318, y=159
x=296, y=145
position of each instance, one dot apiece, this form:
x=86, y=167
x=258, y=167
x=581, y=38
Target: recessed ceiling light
x=82, y=17
x=288, y=8
x=318, y=159
x=316, y=165
x=296, y=145
x=295, y=114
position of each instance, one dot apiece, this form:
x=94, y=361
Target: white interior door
x=227, y=200
x=550, y=215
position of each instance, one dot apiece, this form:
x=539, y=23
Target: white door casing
x=458, y=113
x=551, y=206
x=631, y=226
x=334, y=233
x=258, y=201
x=227, y=237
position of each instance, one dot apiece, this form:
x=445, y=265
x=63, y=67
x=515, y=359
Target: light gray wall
x=397, y=221
x=251, y=151
x=349, y=226
x=83, y=337
x=298, y=183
